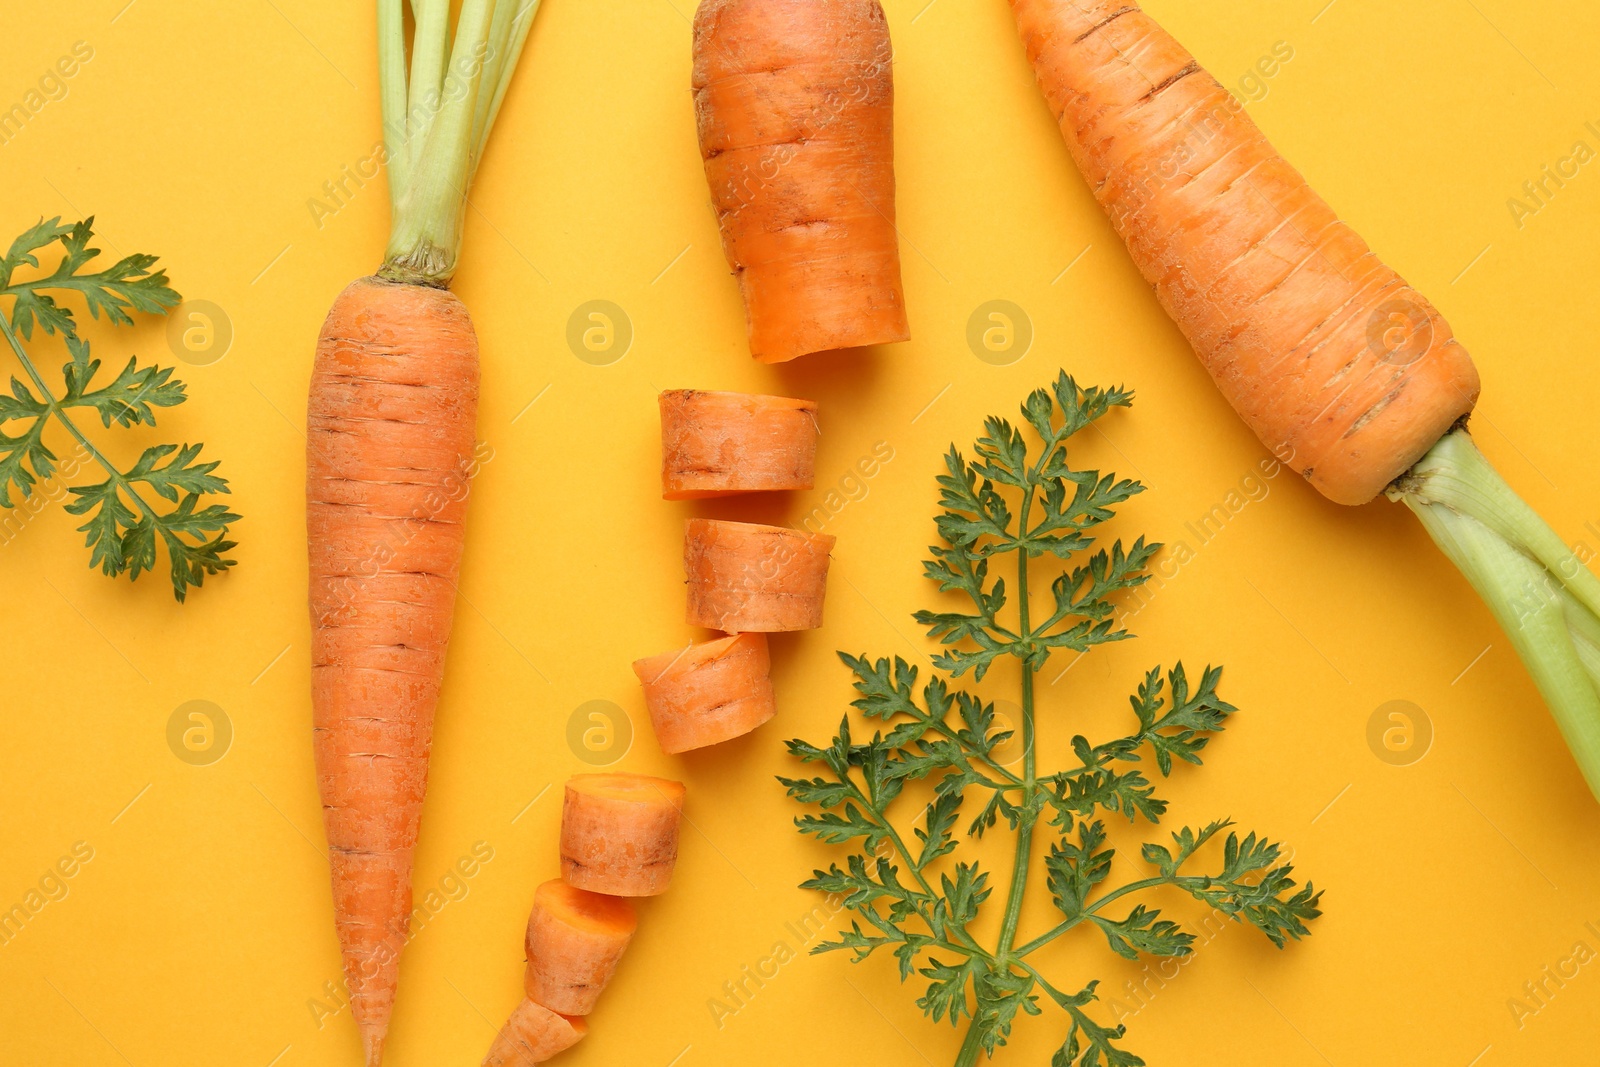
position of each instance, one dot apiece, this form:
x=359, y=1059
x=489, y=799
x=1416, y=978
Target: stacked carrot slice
x=744, y=579
x=619, y=839
x=619, y=832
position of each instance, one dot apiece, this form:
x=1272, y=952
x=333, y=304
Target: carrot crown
x=436, y=121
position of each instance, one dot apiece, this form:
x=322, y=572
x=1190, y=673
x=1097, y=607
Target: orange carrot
x=532, y=1035
x=390, y=425
x=743, y=576
x=1342, y=369
x=715, y=444
x=575, y=939
x=619, y=833
x=706, y=693
x=389, y=455
x=794, y=101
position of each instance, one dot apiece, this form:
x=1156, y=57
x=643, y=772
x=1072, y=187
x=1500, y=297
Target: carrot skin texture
x=389, y=437
x=1342, y=369
x=709, y=692
x=794, y=103
x=574, y=941
x=533, y=1035
x=619, y=833
x=717, y=444
x=747, y=577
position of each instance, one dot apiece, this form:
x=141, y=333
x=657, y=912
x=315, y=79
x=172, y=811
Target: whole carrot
x=1338, y=365
x=389, y=454
x=794, y=100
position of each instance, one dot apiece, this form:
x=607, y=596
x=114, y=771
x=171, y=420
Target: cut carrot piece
x=743, y=576
x=714, y=444
x=706, y=693
x=575, y=939
x=619, y=833
x=532, y=1035
x=794, y=104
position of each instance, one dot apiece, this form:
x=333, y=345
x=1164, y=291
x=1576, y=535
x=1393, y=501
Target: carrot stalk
x=390, y=438
x=1342, y=369
x=1541, y=594
x=794, y=102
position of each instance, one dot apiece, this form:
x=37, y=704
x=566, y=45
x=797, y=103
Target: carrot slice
x=794, y=105
x=619, y=833
x=574, y=941
x=715, y=444
x=532, y=1035
x=706, y=693
x=743, y=576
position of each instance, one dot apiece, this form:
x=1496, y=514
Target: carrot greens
x=912, y=895
x=157, y=499
x=436, y=120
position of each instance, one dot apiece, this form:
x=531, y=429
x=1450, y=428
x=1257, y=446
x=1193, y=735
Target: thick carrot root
x=390, y=432
x=743, y=576
x=1342, y=369
x=795, y=106
x=706, y=693
x=619, y=833
x=575, y=939
x=715, y=444
x=532, y=1035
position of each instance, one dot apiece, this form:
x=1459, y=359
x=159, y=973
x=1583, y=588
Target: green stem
x=1545, y=600
x=449, y=104
x=55, y=409
x=1029, y=815
x=971, y=1047
x=911, y=865
x=1067, y=924
x=392, y=95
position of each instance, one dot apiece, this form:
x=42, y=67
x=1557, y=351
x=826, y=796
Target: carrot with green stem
x=1339, y=366
x=389, y=453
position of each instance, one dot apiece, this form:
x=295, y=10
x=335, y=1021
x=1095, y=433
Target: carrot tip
x=372, y=1043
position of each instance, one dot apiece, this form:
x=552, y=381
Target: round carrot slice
x=716, y=444
x=743, y=576
x=574, y=941
x=619, y=833
x=706, y=693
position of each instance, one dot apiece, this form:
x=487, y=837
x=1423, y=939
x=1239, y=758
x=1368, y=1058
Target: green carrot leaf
x=897, y=801
x=162, y=502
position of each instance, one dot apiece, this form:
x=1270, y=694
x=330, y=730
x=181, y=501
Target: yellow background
x=202, y=928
